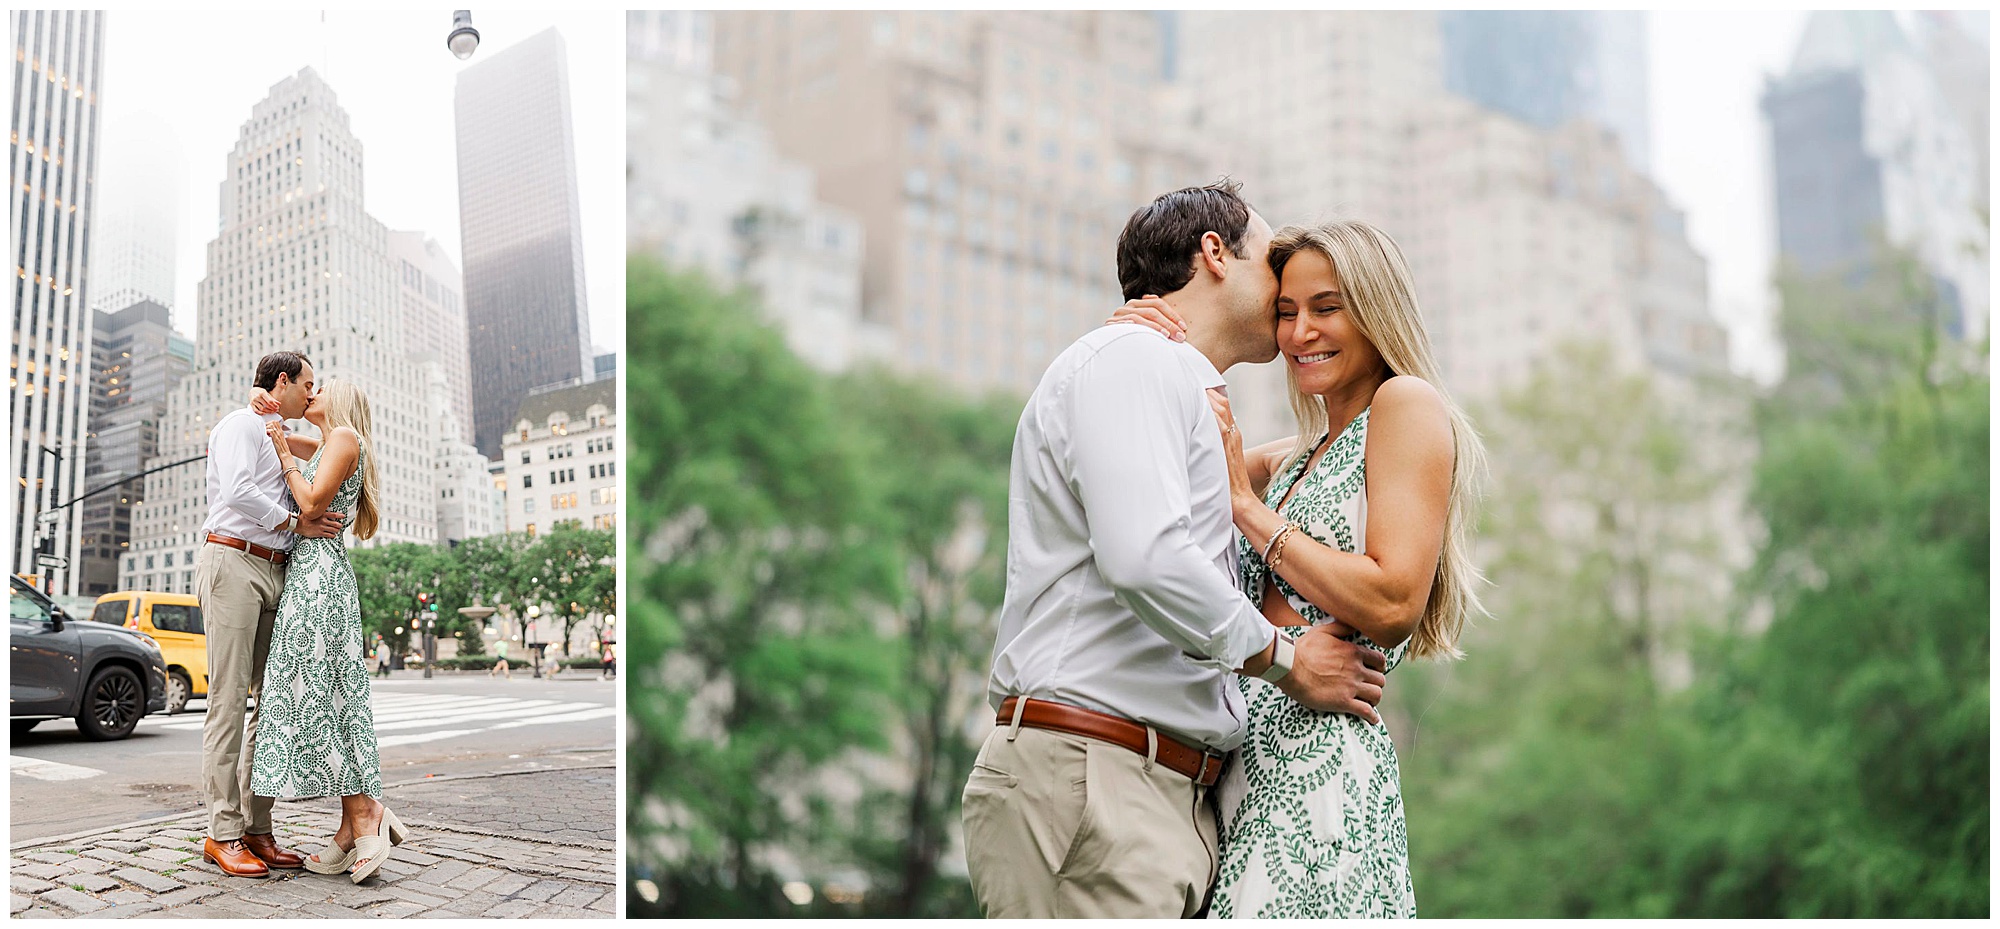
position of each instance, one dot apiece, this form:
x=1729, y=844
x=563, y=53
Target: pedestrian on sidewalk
x=500, y=660
x=381, y=656
x=610, y=662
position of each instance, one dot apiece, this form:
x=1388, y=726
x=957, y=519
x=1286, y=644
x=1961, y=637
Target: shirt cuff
x=275, y=517
x=1246, y=634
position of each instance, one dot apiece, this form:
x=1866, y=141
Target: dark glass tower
x=527, y=321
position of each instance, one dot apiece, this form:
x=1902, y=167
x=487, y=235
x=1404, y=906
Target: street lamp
x=463, y=39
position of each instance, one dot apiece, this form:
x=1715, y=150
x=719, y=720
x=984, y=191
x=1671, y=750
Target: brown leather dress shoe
x=234, y=858
x=266, y=848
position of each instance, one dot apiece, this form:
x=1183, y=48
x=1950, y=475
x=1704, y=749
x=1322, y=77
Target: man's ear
x=1212, y=252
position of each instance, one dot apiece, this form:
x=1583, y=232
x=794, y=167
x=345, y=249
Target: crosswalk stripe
x=48, y=770
x=497, y=713
x=416, y=737
x=401, y=713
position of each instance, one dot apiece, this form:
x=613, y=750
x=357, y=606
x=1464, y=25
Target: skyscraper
x=1547, y=67
x=1519, y=236
x=433, y=312
x=1866, y=143
x=52, y=159
x=527, y=319
x=298, y=265
x=705, y=188
x=991, y=158
x=137, y=232
x=137, y=362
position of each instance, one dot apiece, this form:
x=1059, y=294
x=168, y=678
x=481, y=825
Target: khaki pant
x=239, y=606
x=1063, y=826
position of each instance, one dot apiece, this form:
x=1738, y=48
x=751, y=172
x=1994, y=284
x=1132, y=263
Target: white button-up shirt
x=247, y=494
x=1121, y=593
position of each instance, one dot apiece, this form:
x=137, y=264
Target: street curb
x=170, y=817
x=441, y=778
x=57, y=840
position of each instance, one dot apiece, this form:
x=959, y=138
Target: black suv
x=104, y=676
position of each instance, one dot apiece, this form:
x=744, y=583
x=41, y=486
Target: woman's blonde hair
x=347, y=406
x=1381, y=300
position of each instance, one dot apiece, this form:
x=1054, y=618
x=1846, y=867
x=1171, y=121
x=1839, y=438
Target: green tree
x=1829, y=756
x=1526, y=768
x=572, y=572
x=1850, y=740
x=939, y=465
x=388, y=578
x=753, y=665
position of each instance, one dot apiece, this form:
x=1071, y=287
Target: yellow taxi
x=172, y=620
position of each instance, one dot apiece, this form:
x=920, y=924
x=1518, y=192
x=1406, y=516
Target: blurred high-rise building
x=705, y=188
x=136, y=238
x=138, y=361
x=1958, y=48
x=991, y=158
x=433, y=314
x=527, y=317
x=1548, y=67
x=1520, y=236
x=298, y=265
x=1867, y=144
x=52, y=160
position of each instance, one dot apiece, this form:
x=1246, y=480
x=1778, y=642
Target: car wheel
x=112, y=704
x=23, y=726
x=179, y=691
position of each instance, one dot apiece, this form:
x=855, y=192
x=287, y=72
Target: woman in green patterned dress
x=1359, y=523
x=315, y=728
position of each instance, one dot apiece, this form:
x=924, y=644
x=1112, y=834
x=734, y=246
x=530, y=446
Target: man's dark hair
x=1156, y=251
x=270, y=366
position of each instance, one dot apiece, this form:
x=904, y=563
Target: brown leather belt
x=255, y=551
x=1200, y=766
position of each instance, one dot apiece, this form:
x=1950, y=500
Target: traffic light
x=423, y=599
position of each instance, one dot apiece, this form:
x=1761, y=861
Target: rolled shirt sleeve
x=1133, y=421
x=235, y=447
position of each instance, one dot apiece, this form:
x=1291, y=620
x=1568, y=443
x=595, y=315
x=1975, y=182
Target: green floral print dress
x=1312, y=808
x=315, y=728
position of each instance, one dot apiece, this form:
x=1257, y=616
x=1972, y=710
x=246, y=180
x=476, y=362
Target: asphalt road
x=450, y=725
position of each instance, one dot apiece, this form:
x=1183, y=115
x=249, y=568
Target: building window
x=527, y=504
x=531, y=530
x=524, y=456
x=527, y=481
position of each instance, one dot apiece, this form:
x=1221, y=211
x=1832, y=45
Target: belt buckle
x=1201, y=773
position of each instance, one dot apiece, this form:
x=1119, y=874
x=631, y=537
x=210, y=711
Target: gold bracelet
x=1279, y=555
x=1275, y=549
x=1272, y=542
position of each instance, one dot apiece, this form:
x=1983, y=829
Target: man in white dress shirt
x=239, y=574
x=1122, y=621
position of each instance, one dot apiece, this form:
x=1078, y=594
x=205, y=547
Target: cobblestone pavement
x=478, y=847
x=574, y=807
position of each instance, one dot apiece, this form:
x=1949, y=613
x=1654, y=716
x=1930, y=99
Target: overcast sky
x=198, y=74
x=1712, y=154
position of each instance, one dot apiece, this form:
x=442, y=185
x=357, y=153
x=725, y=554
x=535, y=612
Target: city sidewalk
x=538, y=844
